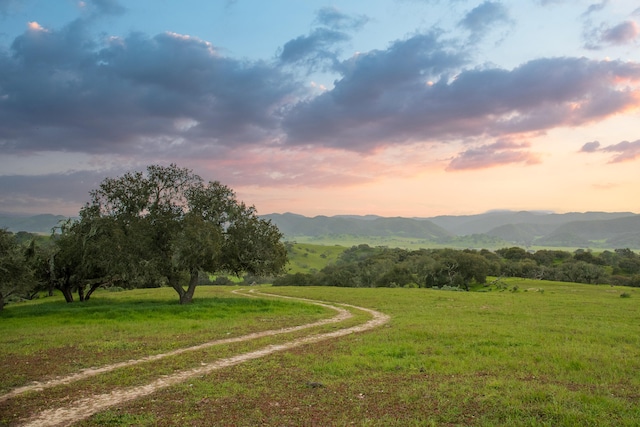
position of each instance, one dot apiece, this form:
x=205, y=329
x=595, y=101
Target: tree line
x=163, y=227
x=366, y=266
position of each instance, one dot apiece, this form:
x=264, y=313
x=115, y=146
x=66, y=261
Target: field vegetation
x=535, y=353
x=311, y=258
x=524, y=345
x=366, y=266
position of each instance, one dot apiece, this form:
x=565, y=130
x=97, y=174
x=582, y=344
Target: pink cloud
x=501, y=153
x=623, y=33
x=626, y=151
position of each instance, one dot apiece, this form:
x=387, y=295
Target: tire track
x=88, y=406
x=90, y=372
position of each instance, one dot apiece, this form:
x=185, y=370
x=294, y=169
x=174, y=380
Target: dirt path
x=88, y=406
x=90, y=372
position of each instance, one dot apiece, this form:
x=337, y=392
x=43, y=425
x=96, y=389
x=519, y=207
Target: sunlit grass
x=535, y=353
x=112, y=327
x=307, y=258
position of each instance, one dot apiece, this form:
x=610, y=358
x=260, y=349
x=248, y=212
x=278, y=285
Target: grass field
x=309, y=258
x=548, y=353
x=410, y=243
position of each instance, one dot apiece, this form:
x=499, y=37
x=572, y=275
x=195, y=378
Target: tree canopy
x=15, y=272
x=166, y=225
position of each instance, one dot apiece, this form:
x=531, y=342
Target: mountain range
x=495, y=228
x=41, y=224
x=526, y=228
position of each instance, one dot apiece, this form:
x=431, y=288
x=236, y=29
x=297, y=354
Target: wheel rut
x=84, y=408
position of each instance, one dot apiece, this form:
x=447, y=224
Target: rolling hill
x=500, y=228
x=33, y=224
x=490, y=230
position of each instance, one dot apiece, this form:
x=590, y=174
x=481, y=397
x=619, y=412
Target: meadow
x=537, y=353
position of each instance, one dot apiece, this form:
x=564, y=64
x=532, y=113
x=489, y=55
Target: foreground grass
x=48, y=338
x=566, y=356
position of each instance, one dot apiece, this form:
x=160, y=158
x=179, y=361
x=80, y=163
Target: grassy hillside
x=296, y=225
x=309, y=258
x=492, y=230
x=476, y=241
x=540, y=353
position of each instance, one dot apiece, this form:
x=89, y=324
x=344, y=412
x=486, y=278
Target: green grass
x=113, y=327
x=346, y=241
x=548, y=354
x=459, y=242
x=309, y=258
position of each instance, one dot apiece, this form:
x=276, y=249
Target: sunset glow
x=394, y=108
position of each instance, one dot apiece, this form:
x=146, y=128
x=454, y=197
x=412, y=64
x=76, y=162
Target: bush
x=450, y=288
x=625, y=295
x=298, y=279
x=222, y=281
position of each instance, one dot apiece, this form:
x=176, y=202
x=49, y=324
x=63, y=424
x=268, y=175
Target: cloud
x=63, y=90
x=314, y=47
x=498, y=154
x=626, y=32
x=416, y=91
x=57, y=193
x=625, y=150
x=6, y=6
x=321, y=46
x=596, y=7
x=173, y=96
x=107, y=7
x=590, y=147
x=623, y=33
x=483, y=17
x=334, y=19
x=550, y=2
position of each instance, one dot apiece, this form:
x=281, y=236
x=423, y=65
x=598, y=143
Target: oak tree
x=170, y=225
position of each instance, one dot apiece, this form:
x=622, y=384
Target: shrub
x=450, y=288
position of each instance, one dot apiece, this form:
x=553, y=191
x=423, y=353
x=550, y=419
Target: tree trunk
x=92, y=290
x=187, y=297
x=1, y=301
x=52, y=275
x=175, y=284
x=81, y=293
x=67, y=292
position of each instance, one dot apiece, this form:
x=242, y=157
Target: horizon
x=493, y=211
x=403, y=108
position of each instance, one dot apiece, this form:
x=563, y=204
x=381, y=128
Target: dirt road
x=90, y=405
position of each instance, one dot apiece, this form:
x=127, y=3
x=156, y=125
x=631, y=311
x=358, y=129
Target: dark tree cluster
x=16, y=267
x=162, y=227
x=365, y=266
x=618, y=267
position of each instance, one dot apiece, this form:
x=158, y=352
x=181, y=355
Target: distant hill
x=33, y=224
x=523, y=234
x=298, y=225
x=500, y=228
x=488, y=230
x=486, y=222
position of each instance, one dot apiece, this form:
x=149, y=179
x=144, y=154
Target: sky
x=411, y=108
